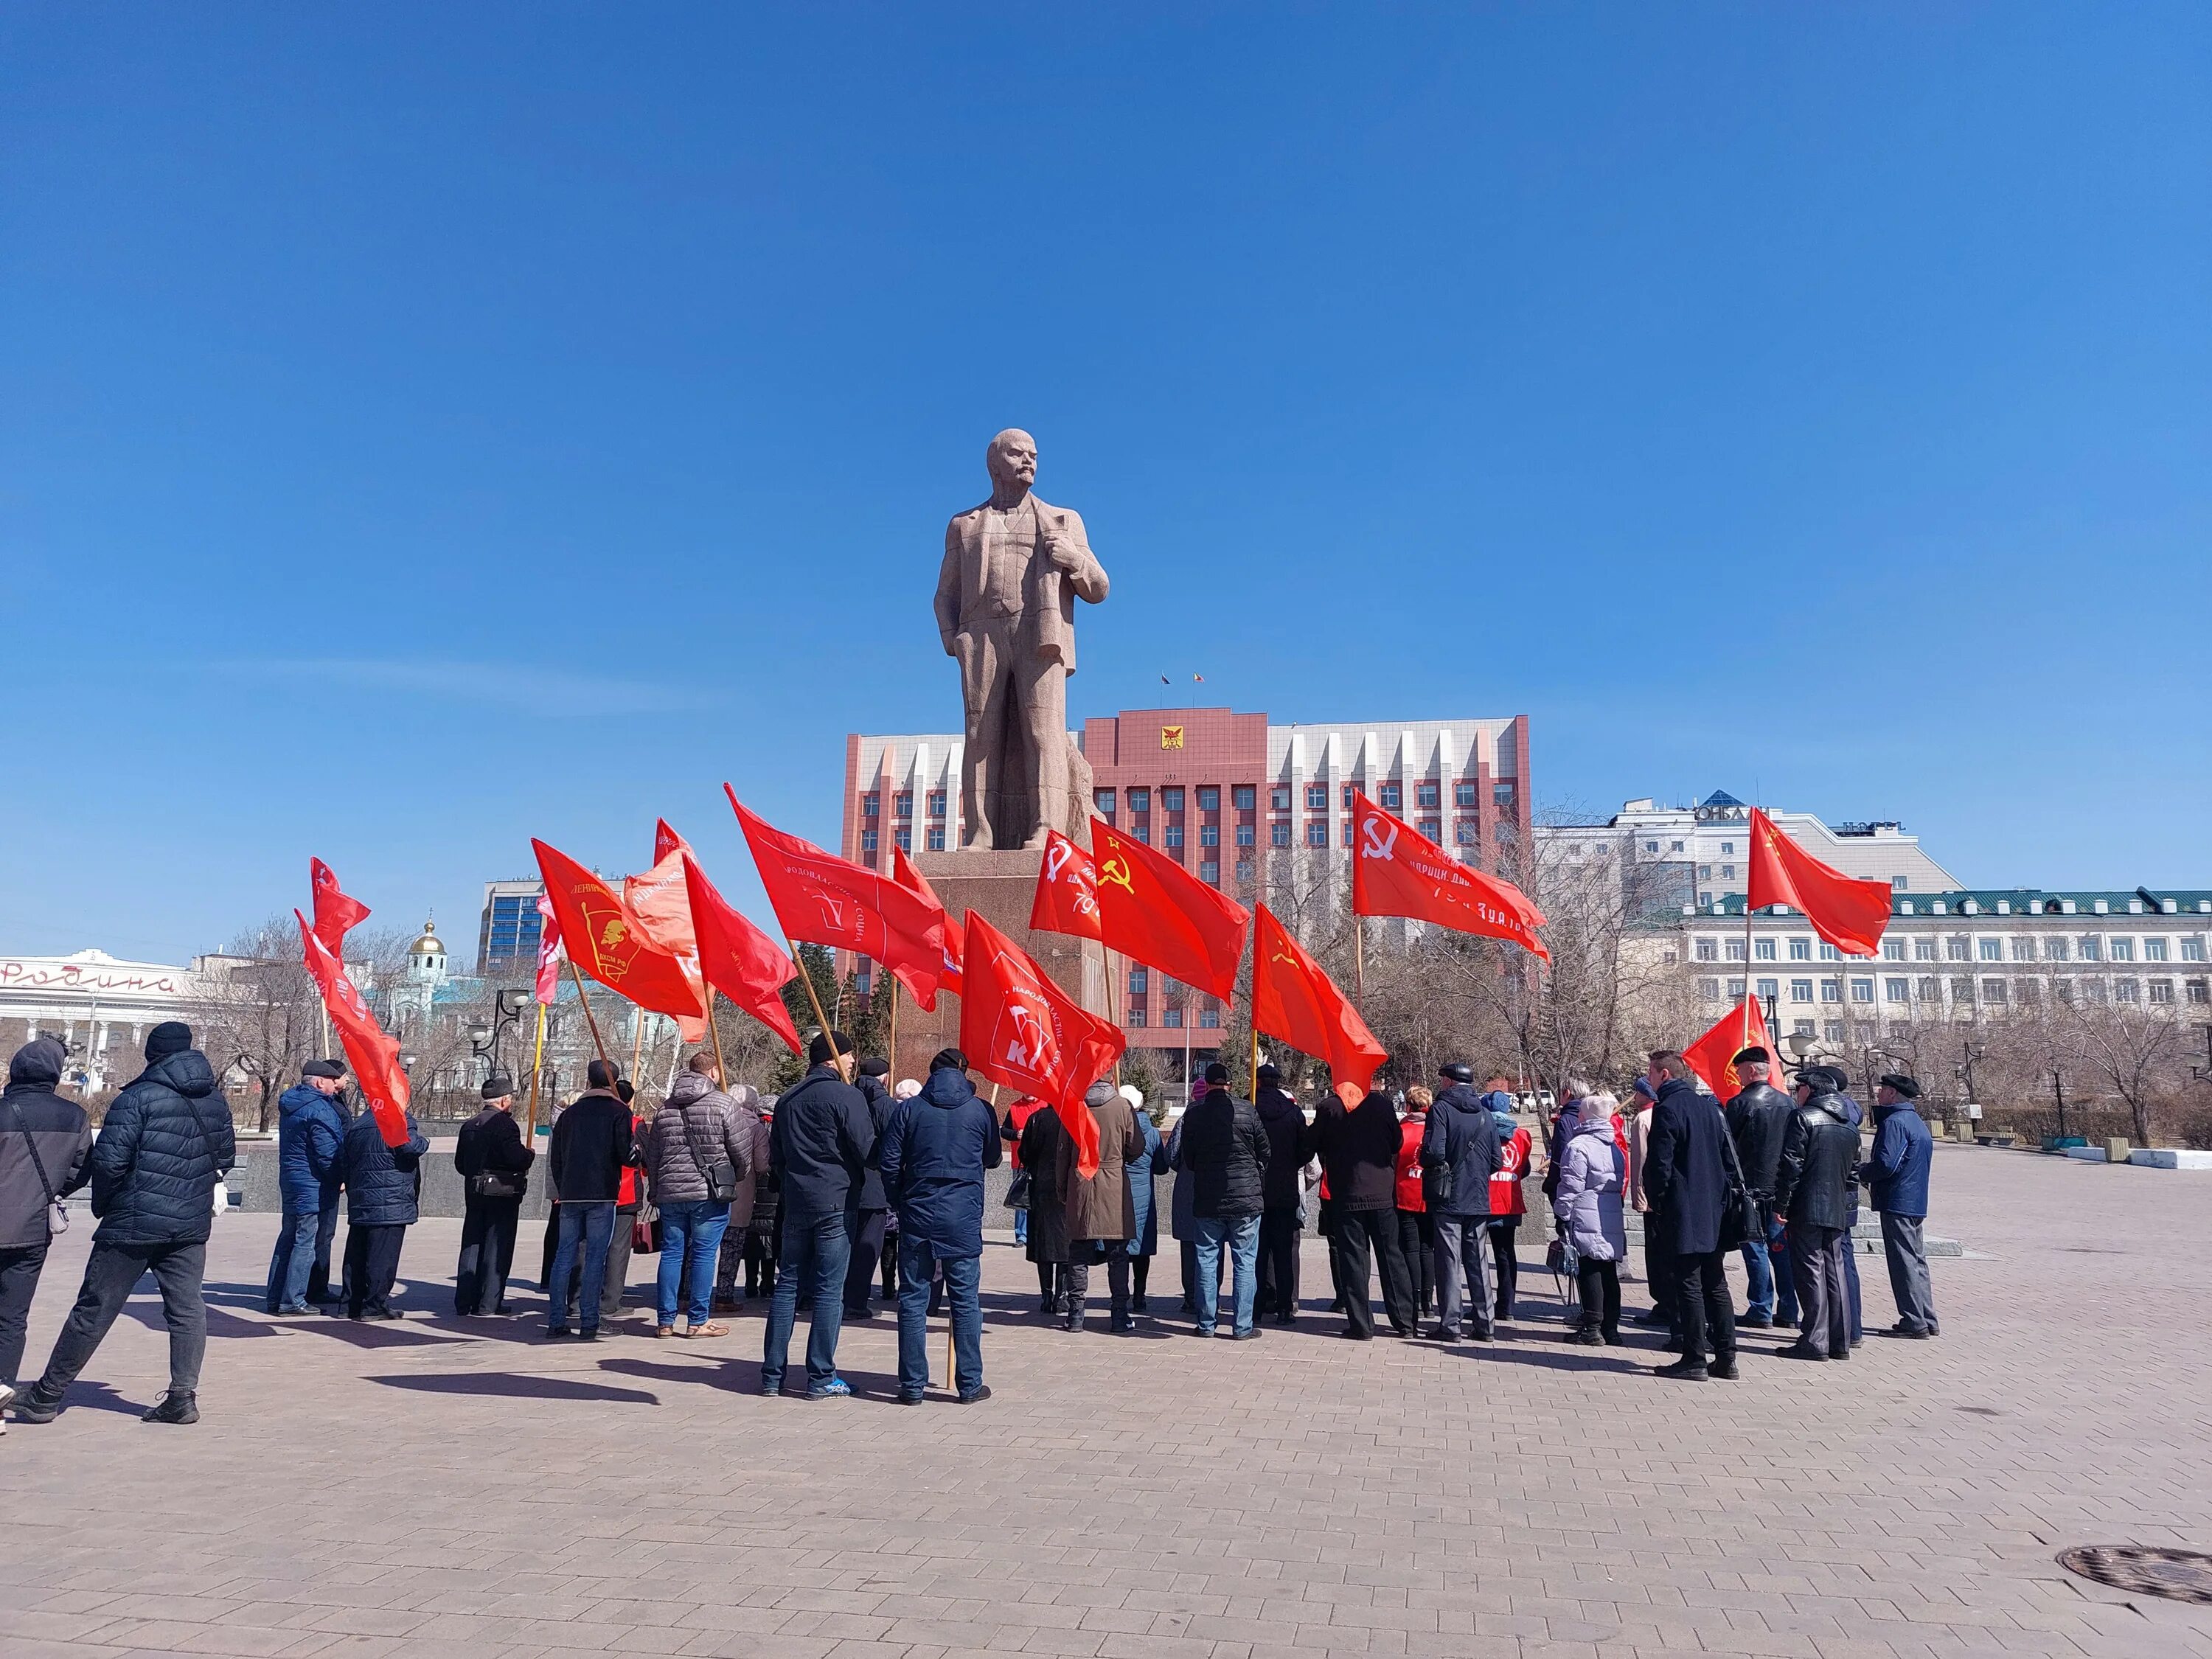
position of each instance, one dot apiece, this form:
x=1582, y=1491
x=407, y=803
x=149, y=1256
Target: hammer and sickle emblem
x=1376, y=843
x=1282, y=955
x=1114, y=873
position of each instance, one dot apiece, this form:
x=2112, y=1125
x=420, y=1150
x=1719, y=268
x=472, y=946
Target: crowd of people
x=846, y=1178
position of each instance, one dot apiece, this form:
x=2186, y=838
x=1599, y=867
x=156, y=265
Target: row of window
x=1209, y=1019
x=871, y=804
x=1388, y=796
x=1963, y=988
x=903, y=838
x=2088, y=947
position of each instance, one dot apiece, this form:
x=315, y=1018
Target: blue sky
x=427, y=427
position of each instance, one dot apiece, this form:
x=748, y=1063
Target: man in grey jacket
x=45, y=1153
x=698, y=1133
x=1459, y=1154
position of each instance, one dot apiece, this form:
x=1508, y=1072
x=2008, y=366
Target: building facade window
x=1463, y=795
x=1706, y=950
x=1709, y=990
x=1992, y=949
x=2126, y=990
x=1958, y=950
x=1140, y=802
x=1463, y=832
x=1800, y=950
x=2161, y=991
x=867, y=841
x=1316, y=797
x=2124, y=949
x=2200, y=992
x=902, y=803
x=1141, y=833
x=2023, y=950
x=1209, y=1019
x=903, y=838
x=1171, y=798
x=2091, y=951
x=1930, y=991
x=1736, y=990
x=1428, y=793
x=1347, y=832
x=1209, y=835
x=1278, y=834
x=1762, y=949
x=1210, y=870
x=1138, y=980
x=2192, y=949
x=1209, y=799
x=935, y=838
x=1801, y=990
x=1830, y=991
x=1279, y=797
x=1736, y=949
x=871, y=805
x=2057, y=950
x=936, y=802
x=1245, y=795
x=1172, y=1018
x=1862, y=990
x=1244, y=834
x=1893, y=949
x=1391, y=798
x=1137, y=1019
x=1924, y=949
x=1896, y=990
x=1433, y=829
x=1317, y=832
x=1103, y=800
x=1173, y=837
x=2153, y=949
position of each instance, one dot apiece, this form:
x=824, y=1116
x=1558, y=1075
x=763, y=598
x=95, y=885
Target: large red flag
x=604, y=940
x=1021, y=1029
x=1712, y=1056
x=1848, y=912
x=738, y=960
x=1397, y=872
x=549, y=952
x=907, y=875
x=1292, y=998
x=1154, y=911
x=373, y=1056
x=334, y=911
x=662, y=910
x=826, y=900
x=1066, y=891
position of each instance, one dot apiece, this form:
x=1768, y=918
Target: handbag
x=1739, y=1209
x=56, y=1216
x=721, y=1175
x=495, y=1183
x=1017, y=1191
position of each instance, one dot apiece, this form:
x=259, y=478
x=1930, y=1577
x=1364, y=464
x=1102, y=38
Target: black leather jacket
x=1757, y=1119
x=1817, y=1185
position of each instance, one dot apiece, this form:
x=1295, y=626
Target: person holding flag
x=310, y=1128
x=1758, y=1116
x=933, y=1156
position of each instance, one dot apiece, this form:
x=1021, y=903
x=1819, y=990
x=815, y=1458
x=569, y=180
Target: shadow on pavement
x=509, y=1385
x=99, y=1397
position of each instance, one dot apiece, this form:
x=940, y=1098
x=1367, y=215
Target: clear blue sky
x=421, y=428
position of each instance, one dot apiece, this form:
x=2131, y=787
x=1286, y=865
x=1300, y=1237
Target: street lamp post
x=2058, y=1091
x=484, y=1039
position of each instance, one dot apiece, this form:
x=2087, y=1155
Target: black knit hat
x=817, y=1052
x=170, y=1036
x=949, y=1059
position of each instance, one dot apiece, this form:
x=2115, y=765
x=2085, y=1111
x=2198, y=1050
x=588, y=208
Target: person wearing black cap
x=865, y=1245
x=495, y=1168
x=1459, y=1155
x=1897, y=1176
x=310, y=1130
x=1358, y=1149
x=934, y=1154
x=1814, y=1190
x=1225, y=1152
x=818, y=1146
x=164, y=1143
x=1289, y=1146
x=1757, y=1114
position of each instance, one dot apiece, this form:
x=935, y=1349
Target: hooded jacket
x=165, y=1141
x=1459, y=1152
x=1592, y=1175
x=819, y=1145
x=933, y=1155
x=1817, y=1182
x=697, y=1126
x=1144, y=1234
x=1103, y=1206
x=1038, y=1152
x=1757, y=1118
x=1903, y=1149
x=382, y=1184
x=1226, y=1150
x=1289, y=1146
x=309, y=1129
x=56, y=1129
x=1360, y=1153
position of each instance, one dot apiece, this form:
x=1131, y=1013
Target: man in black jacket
x=1686, y=1175
x=164, y=1144
x=593, y=1143
x=818, y=1148
x=1289, y=1146
x=1225, y=1152
x=1358, y=1153
x=383, y=1188
x=495, y=1170
x=865, y=1245
x=45, y=1153
x=1816, y=1187
x=1756, y=1118
x=1459, y=1154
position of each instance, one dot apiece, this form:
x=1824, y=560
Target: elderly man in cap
x=1758, y=1113
x=1814, y=1190
x=495, y=1167
x=933, y=1153
x=1897, y=1175
x=1459, y=1155
x=310, y=1130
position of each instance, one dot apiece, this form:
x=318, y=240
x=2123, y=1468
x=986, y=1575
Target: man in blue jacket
x=383, y=1184
x=933, y=1153
x=1897, y=1173
x=165, y=1141
x=309, y=1131
x=1459, y=1154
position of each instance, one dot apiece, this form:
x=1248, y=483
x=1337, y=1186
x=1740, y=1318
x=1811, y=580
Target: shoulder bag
x=721, y=1175
x=56, y=1216
x=1739, y=1209
x=495, y=1183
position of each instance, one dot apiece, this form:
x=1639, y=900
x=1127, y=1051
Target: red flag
x=373, y=1056
x=1292, y=998
x=549, y=952
x=1848, y=912
x=1154, y=911
x=738, y=960
x=662, y=911
x=334, y=911
x=1066, y=891
x=1396, y=872
x=604, y=940
x=826, y=900
x=904, y=873
x=1021, y=1029
x=1712, y=1056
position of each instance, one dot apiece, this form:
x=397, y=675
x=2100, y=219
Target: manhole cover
x=2177, y=1575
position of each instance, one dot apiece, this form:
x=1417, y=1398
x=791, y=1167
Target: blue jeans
x=592, y=1226
x=1759, y=1271
x=1241, y=1234
x=690, y=1241
x=815, y=1250
x=963, y=1280
x=1021, y=1226
x=1852, y=1277
x=295, y=1259
x=1777, y=1258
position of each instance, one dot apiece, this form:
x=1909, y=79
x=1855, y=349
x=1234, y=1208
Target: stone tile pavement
x=437, y=1488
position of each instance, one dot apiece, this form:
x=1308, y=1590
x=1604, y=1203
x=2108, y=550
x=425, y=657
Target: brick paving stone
x=441, y=1486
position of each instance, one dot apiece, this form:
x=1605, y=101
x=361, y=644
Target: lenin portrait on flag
x=1005, y=610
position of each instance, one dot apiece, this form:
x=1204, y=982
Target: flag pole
x=814, y=1001
x=1744, y=1040
x=537, y=1070
x=893, y=1056
x=1106, y=966
x=636, y=1042
x=714, y=1031
x=1359, y=961
x=585, y=997
x=323, y=1013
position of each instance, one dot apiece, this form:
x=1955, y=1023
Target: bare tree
x=2134, y=1047
x=261, y=1019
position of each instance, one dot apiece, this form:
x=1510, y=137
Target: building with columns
x=99, y=1005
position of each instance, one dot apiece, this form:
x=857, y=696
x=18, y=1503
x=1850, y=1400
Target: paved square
x=438, y=1487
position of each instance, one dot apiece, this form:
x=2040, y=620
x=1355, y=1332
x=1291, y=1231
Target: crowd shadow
x=515, y=1385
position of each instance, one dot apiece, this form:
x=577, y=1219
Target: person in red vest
x=1417, y=1231
x=1508, y=1205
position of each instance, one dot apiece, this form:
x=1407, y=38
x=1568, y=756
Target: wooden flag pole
x=323, y=1013
x=1359, y=962
x=584, y=997
x=814, y=1001
x=1106, y=966
x=636, y=1043
x=714, y=1031
x=893, y=1056
x=1744, y=1040
x=537, y=1070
